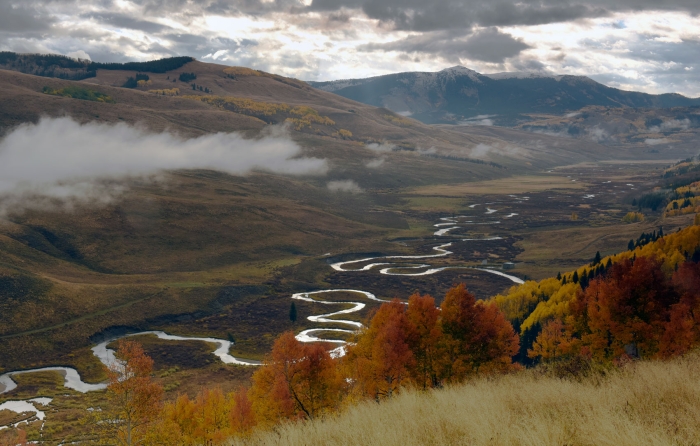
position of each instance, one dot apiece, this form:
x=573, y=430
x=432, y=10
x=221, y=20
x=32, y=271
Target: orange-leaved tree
x=134, y=398
x=380, y=361
x=626, y=312
x=553, y=343
x=477, y=338
x=298, y=380
x=424, y=316
x=210, y=418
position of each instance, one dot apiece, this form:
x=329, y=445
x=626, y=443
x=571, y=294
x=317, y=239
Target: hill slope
x=647, y=403
x=455, y=94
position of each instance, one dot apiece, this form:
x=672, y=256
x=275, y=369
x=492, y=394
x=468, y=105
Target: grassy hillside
x=653, y=403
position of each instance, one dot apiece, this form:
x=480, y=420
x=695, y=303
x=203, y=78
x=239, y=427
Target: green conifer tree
x=293, y=313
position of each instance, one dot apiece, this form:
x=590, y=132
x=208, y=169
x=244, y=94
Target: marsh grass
x=649, y=403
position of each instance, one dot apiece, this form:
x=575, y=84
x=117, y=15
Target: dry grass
x=512, y=185
x=650, y=403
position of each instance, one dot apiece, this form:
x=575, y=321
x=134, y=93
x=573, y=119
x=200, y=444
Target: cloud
x=80, y=54
x=382, y=148
x=489, y=45
x=375, y=163
x=630, y=44
x=60, y=158
x=344, y=186
x=598, y=134
x=655, y=141
x=478, y=120
x=671, y=124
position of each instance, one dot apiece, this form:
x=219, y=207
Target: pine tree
x=559, y=276
x=584, y=281
x=630, y=245
x=634, y=202
x=293, y=313
x=574, y=278
x=597, y=258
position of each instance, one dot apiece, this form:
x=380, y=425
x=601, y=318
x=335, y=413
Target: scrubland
x=645, y=402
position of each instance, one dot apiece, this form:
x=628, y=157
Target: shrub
x=79, y=93
x=633, y=217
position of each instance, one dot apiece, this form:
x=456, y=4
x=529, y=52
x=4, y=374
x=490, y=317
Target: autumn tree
x=682, y=332
x=241, y=417
x=554, y=342
x=625, y=313
x=476, y=336
x=298, y=380
x=212, y=417
x=13, y=437
x=134, y=398
x=381, y=360
x=423, y=316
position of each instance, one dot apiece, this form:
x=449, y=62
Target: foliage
x=297, y=381
x=344, y=134
x=187, y=77
x=653, y=200
x=152, y=66
x=419, y=345
x=76, y=92
x=13, y=437
x=636, y=310
x=633, y=217
x=534, y=303
x=48, y=65
x=210, y=418
x=166, y=92
x=135, y=399
x=293, y=312
x=300, y=117
x=398, y=120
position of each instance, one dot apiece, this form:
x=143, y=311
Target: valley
x=201, y=265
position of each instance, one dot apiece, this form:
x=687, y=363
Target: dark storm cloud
x=488, y=45
x=420, y=15
x=19, y=18
x=125, y=21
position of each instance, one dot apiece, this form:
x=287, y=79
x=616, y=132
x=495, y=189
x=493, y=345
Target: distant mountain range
x=460, y=95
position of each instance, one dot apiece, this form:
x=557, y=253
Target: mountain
x=460, y=95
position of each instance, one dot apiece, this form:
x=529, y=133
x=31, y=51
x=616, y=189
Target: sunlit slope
x=645, y=403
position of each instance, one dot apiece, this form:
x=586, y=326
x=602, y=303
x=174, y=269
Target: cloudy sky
x=645, y=45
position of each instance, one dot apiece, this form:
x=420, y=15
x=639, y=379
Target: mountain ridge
x=455, y=94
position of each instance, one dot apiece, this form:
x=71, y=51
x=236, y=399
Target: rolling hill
x=202, y=240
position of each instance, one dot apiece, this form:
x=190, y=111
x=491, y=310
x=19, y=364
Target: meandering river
x=72, y=379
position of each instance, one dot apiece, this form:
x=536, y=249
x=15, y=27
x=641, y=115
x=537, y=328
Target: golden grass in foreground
x=647, y=403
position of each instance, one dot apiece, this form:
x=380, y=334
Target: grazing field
x=510, y=185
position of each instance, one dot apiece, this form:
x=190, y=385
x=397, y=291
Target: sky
x=642, y=45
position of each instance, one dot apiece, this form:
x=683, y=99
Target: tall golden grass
x=644, y=403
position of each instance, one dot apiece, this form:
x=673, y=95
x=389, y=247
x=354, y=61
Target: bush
x=633, y=217
x=79, y=93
